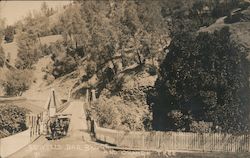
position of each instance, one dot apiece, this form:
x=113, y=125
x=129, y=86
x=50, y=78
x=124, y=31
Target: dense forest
x=203, y=78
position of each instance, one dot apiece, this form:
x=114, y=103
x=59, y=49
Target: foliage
x=12, y=118
x=118, y=31
x=90, y=69
x=2, y=54
x=2, y=57
x=152, y=70
x=233, y=18
x=45, y=50
x=9, y=34
x=46, y=11
x=180, y=120
x=73, y=26
x=28, y=50
x=63, y=61
x=205, y=78
x=199, y=13
x=38, y=22
x=2, y=27
x=64, y=66
x=16, y=82
x=116, y=114
x=201, y=127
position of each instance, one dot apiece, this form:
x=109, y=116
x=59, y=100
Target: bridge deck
x=71, y=146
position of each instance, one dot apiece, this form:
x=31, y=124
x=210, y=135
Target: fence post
x=93, y=128
x=248, y=143
x=159, y=144
x=69, y=95
x=203, y=142
x=87, y=96
x=117, y=139
x=93, y=95
x=143, y=141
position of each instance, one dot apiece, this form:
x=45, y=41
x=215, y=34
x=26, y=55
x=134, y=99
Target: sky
x=15, y=10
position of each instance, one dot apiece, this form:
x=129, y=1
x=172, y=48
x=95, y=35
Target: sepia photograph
x=125, y=79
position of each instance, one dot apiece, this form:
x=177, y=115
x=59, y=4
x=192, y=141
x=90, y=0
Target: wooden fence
x=204, y=142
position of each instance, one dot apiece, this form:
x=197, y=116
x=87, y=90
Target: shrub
x=107, y=116
x=64, y=66
x=16, y=82
x=180, y=121
x=12, y=118
x=152, y=70
x=201, y=126
x=90, y=69
x=9, y=34
x=114, y=113
x=233, y=18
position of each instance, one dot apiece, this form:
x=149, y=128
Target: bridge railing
x=63, y=106
x=13, y=143
x=185, y=141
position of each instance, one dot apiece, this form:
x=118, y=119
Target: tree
x=2, y=57
x=64, y=66
x=16, y=82
x=46, y=11
x=2, y=54
x=205, y=77
x=2, y=26
x=73, y=26
x=28, y=52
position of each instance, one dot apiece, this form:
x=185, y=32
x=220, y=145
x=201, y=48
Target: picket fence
x=186, y=141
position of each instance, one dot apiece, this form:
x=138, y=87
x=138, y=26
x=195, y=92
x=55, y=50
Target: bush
x=114, y=113
x=12, y=118
x=201, y=126
x=244, y=5
x=9, y=34
x=16, y=82
x=180, y=120
x=233, y=18
x=107, y=115
x=64, y=66
x=90, y=69
x=45, y=49
x=152, y=70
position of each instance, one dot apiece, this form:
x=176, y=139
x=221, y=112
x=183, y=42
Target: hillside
x=116, y=51
x=240, y=28
x=11, y=51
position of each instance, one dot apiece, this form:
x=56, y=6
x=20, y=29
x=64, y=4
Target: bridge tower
x=52, y=104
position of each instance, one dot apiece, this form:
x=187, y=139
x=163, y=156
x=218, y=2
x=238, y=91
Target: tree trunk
x=70, y=36
x=115, y=68
x=153, y=63
x=122, y=57
x=139, y=57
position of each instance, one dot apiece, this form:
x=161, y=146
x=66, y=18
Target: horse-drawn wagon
x=57, y=126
